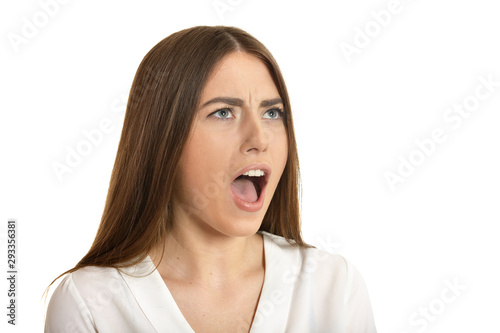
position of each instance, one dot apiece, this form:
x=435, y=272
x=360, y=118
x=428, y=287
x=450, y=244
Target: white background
x=353, y=121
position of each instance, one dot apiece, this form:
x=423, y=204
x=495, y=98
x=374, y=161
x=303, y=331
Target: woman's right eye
x=222, y=113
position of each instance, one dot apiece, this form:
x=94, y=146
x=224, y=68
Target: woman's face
x=238, y=128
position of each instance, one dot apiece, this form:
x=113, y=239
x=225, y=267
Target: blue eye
x=274, y=113
x=222, y=113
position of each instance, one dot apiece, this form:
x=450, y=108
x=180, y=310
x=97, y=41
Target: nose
x=255, y=136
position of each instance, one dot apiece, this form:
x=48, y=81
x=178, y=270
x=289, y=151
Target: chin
x=240, y=226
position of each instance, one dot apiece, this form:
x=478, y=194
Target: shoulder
x=316, y=279
x=310, y=258
x=67, y=310
x=93, y=282
x=328, y=271
x=84, y=297
x=88, y=284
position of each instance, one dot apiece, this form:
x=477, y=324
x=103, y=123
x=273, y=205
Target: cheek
x=193, y=166
x=201, y=164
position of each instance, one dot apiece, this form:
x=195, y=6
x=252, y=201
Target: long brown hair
x=162, y=102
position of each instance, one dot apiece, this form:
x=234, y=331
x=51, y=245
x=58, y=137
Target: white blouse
x=305, y=290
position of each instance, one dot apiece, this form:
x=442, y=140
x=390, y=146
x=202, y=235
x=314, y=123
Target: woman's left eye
x=273, y=113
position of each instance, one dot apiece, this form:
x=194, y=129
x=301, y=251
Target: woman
x=201, y=230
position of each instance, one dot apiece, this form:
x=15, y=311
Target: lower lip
x=250, y=206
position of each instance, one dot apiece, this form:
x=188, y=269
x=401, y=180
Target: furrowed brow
x=270, y=102
x=225, y=100
x=240, y=102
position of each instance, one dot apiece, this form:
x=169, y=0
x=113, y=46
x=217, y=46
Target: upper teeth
x=254, y=173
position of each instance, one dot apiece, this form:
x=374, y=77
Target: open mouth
x=249, y=185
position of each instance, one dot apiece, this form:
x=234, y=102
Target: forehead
x=241, y=75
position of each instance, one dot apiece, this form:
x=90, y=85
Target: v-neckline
x=164, y=305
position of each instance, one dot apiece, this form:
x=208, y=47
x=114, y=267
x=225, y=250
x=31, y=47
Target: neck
x=208, y=258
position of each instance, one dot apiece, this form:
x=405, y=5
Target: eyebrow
x=239, y=102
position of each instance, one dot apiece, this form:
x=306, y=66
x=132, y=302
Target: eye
x=274, y=113
x=224, y=113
